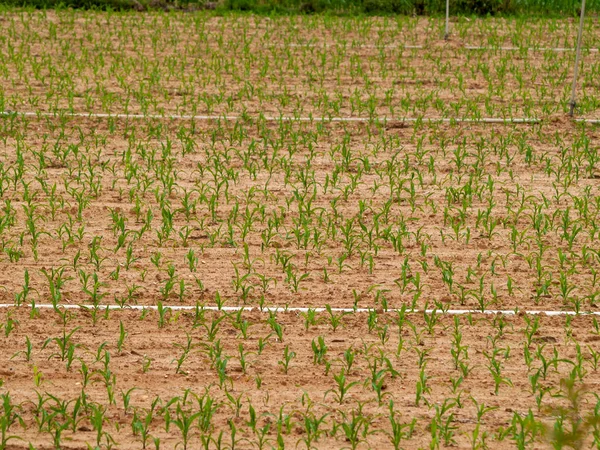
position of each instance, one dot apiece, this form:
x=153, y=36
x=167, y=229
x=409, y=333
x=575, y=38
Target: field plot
x=297, y=232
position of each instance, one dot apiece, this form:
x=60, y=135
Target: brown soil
x=255, y=212
x=305, y=380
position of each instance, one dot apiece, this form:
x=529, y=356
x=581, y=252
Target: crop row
x=481, y=217
x=297, y=380
x=201, y=64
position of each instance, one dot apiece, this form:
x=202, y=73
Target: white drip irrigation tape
x=594, y=121
x=421, y=47
x=530, y=49
x=500, y=120
x=350, y=46
x=278, y=309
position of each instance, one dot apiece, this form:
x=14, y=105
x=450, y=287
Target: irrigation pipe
x=499, y=120
x=446, y=34
x=280, y=309
x=325, y=45
x=531, y=49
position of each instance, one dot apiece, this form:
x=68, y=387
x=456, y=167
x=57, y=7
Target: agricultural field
x=235, y=232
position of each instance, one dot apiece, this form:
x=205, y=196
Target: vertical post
x=572, y=103
x=447, y=32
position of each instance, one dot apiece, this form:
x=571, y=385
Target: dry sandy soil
x=386, y=215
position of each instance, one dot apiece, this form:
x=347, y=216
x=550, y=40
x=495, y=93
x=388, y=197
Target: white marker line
x=499, y=120
x=595, y=121
x=506, y=312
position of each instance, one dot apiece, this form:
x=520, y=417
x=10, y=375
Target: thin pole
x=577, y=58
x=448, y=20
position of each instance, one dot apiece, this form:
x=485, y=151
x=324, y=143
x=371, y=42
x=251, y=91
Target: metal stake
x=577, y=57
x=446, y=34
